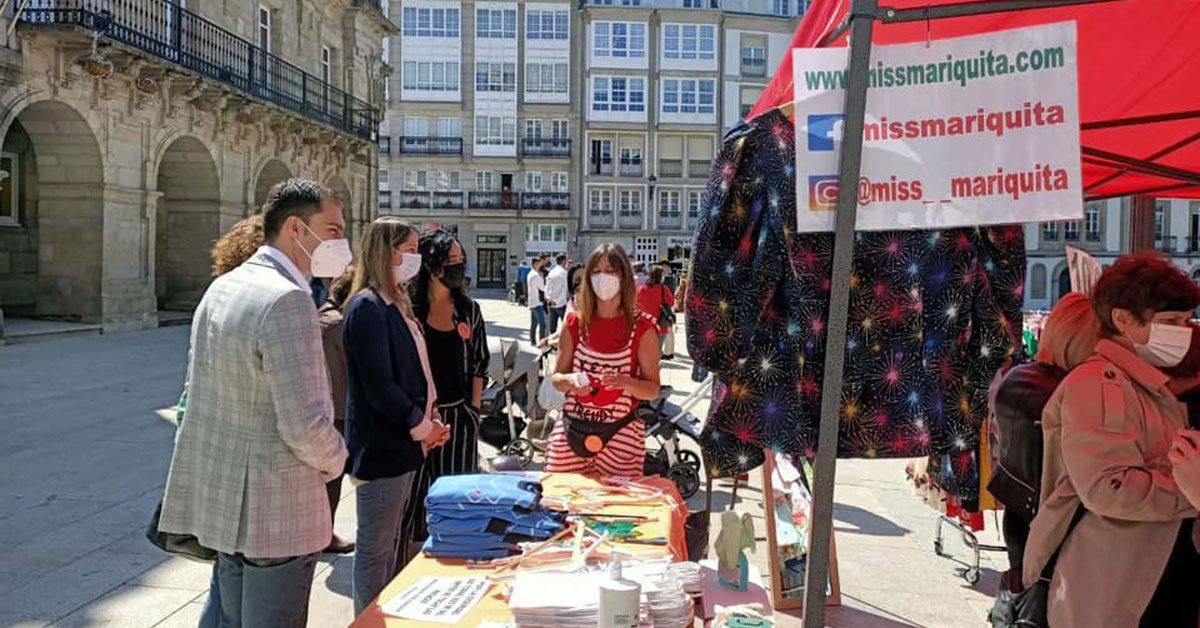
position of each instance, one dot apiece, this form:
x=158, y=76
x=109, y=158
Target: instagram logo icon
x=822, y=193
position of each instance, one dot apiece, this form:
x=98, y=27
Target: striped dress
x=609, y=347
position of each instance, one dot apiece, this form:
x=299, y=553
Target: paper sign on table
x=441, y=600
x=1083, y=269
x=965, y=131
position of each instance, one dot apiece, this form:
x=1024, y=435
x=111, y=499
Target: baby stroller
x=665, y=421
x=506, y=402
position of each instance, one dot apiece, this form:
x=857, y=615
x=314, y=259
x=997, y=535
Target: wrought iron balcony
x=492, y=200
x=1165, y=244
x=555, y=201
x=413, y=145
x=448, y=200
x=546, y=147
x=414, y=199
x=162, y=29
x=1193, y=244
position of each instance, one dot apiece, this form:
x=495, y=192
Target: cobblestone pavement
x=87, y=439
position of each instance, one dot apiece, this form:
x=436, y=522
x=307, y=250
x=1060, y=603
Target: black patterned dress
x=933, y=315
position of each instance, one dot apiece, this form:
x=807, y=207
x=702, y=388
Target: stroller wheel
x=686, y=479
x=521, y=449
x=690, y=458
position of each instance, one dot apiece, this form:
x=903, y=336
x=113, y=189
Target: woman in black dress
x=458, y=358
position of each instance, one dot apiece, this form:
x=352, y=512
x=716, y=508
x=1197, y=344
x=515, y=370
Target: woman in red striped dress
x=607, y=363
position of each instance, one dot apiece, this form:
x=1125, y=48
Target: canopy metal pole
x=861, y=19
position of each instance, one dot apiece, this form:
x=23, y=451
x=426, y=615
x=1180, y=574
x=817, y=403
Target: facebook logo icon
x=824, y=130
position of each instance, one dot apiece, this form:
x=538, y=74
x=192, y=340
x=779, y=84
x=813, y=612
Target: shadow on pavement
x=864, y=522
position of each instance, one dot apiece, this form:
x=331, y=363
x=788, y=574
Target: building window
x=1037, y=277
x=631, y=157
x=699, y=4
x=431, y=76
x=1160, y=221
x=427, y=22
x=416, y=127
x=669, y=204
x=694, y=205
x=547, y=25
x=533, y=182
x=546, y=233
x=449, y=180
x=559, y=182
x=689, y=96
x=1091, y=222
x=623, y=3
x=415, y=179
x=610, y=93
x=560, y=129
x=449, y=127
x=495, y=131
x=546, y=78
x=485, y=181
x=326, y=71
x=602, y=155
x=600, y=203
x=385, y=144
x=689, y=42
x=619, y=40
x=264, y=28
x=496, y=23
x=385, y=199
x=781, y=7
x=631, y=203
x=1071, y=231
x=383, y=177
x=495, y=77
x=533, y=129
x=1050, y=232
x=754, y=59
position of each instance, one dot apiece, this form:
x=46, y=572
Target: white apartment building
x=662, y=80
x=480, y=128
x=1104, y=233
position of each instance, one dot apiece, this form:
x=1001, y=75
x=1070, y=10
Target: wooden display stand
x=781, y=602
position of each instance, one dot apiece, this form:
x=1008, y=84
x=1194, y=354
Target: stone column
x=127, y=292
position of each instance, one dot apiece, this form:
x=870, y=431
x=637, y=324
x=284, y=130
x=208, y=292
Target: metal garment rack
x=860, y=23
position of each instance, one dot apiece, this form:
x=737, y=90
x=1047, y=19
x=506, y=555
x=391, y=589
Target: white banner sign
x=967, y=131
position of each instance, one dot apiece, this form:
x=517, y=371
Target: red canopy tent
x=1139, y=79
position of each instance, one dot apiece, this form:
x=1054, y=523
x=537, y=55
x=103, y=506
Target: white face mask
x=406, y=270
x=606, y=286
x=330, y=258
x=1167, y=346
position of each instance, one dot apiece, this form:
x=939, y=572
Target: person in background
x=330, y=316
x=574, y=280
x=652, y=299
x=1108, y=497
x=639, y=274
x=391, y=419
x=535, y=295
x=607, y=362
x=456, y=342
x=557, y=292
x=258, y=444
x=1017, y=403
x=671, y=281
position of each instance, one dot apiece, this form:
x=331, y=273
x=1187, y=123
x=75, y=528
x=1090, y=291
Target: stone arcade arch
x=53, y=238
x=188, y=222
x=271, y=173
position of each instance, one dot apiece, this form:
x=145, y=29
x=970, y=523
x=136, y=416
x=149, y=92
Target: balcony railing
x=752, y=66
x=1165, y=244
x=1194, y=244
x=448, y=200
x=555, y=201
x=670, y=168
x=385, y=199
x=699, y=169
x=630, y=170
x=162, y=29
x=605, y=168
x=413, y=145
x=545, y=147
x=600, y=218
x=414, y=199
x=492, y=200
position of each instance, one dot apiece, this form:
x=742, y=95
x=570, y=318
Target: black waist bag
x=588, y=438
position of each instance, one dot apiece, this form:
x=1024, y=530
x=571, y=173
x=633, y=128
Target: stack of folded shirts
x=486, y=516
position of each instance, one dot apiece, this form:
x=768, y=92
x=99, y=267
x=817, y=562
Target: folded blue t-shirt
x=445, y=549
x=532, y=526
x=494, y=491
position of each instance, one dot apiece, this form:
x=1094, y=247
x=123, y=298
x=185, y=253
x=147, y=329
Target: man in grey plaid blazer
x=252, y=458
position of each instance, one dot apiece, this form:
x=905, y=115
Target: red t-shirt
x=650, y=300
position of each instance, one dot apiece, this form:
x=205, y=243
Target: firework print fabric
x=933, y=315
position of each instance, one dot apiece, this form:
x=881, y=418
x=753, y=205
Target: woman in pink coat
x=1130, y=561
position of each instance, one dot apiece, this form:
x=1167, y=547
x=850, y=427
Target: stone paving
x=87, y=439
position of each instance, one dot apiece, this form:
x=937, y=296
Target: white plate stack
x=670, y=605
x=688, y=575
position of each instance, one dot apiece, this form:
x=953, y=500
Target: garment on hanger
x=933, y=315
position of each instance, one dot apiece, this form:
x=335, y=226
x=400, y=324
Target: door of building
x=492, y=268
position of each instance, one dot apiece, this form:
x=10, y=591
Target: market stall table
x=668, y=523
